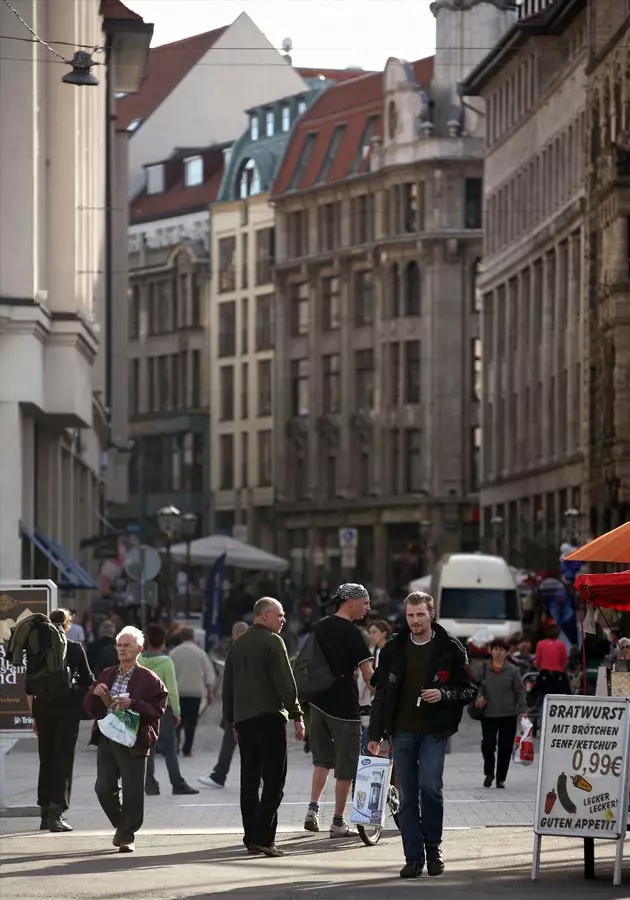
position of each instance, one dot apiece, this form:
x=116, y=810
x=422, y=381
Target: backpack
x=311, y=671
x=45, y=646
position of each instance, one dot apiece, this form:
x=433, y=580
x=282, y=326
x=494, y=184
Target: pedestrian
x=501, y=695
x=102, y=653
x=379, y=632
x=56, y=720
x=335, y=715
x=125, y=686
x=155, y=658
x=219, y=774
x=259, y=696
x=423, y=683
x=195, y=679
x=551, y=661
x=76, y=631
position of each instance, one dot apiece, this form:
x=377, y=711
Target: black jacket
x=450, y=672
x=82, y=680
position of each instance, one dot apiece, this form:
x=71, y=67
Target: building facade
x=378, y=219
x=531, y=282
x=607, y=485
x=54, y=294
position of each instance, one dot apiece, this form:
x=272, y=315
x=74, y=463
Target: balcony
x=528, y=8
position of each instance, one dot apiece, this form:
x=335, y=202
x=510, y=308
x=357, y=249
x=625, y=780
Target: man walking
x=259, y=695
x=423, y=683
x=157, y=660
x=195, y=679
x=219, y=774
x=335, y=714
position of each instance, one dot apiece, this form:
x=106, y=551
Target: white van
x=473, y=589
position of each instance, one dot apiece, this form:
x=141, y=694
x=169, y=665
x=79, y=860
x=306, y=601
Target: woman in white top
x=378, y=634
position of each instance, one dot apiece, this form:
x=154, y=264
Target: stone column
x=572, y=346
x=11, y=477
x=546, y=367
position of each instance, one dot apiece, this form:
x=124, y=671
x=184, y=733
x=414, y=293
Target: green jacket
x=162, y=666
x=258, y=678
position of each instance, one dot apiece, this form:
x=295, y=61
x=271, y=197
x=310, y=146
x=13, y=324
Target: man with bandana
x=335, y=716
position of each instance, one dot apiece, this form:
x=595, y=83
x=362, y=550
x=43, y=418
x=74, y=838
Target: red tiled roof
x=332, y=74
x=351, y=103
x=167, y=66
x=177, y=199
x=114, y=9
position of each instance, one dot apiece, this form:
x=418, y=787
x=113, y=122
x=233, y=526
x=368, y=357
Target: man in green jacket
x=155, y=658
x=259, y=695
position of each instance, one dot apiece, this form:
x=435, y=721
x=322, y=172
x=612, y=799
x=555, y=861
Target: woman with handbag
x=501, y=702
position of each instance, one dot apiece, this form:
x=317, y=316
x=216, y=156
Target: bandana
x=351, y=591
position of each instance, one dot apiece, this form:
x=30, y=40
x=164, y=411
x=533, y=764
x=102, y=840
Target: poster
x=15, y=604
x=371, y=787
x=582, y=778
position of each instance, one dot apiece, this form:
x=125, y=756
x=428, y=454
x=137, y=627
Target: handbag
x=121, y=726
x=477, y=712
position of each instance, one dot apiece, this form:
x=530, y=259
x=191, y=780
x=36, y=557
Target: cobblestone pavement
x=467, y=803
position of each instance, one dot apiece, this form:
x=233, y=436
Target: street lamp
x=168, y=519
x=188, y=529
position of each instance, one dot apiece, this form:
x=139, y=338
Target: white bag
x=523, y=752
x=121, y=726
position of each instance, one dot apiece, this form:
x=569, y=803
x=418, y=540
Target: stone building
x=607, y=488
x=378, y=224
x=532, y=279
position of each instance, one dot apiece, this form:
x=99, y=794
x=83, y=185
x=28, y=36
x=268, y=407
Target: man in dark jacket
x=125, y=686
x=423, y=682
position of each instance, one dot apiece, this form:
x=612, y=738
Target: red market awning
x=611, y=591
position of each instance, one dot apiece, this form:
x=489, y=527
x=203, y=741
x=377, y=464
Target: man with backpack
x=325, y=674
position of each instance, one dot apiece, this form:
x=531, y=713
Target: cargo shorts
x=335, y=743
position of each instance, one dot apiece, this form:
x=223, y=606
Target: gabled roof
x=177, y=199
x=327, y=144
x=168, y=64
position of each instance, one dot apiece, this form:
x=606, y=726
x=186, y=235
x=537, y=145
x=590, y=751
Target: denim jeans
x=228, y=746
x=419, y=767
x=169, y=749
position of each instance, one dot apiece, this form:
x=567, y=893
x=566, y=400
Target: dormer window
x=193, y=171
x=155, y=179
x=301, y=107
x=286, y=118
x=254, y=132
x=270, y=123
x=134, y=124
x=249, y=180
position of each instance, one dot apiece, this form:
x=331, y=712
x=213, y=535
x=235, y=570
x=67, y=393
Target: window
x=301, y=107
x=163, y=382
x=364, y=378
x=413, y=460
x=476, y=293
x=227, y=328
x=331, y=152
x=297, y=230
x=412, y=289
x=244, y=260
x=270, y=123
x=286, y=118
x=410, y=207
x=155, y=179
x=299, y=309
x=249, y=180
x=394, y=290
x=264, y=387
x=226, y=462
x=175, y=397
x=475, y=457
x=394, y=459
x=226, y=392
x=265, y=255
x=332, y=383
x=134, y=312
x=244, y=391
x=227, y=264
x=264, y=458
x=363, y=298
x=163, y=310
x=363, y=471
x=195, y=300
x=331, y=310
x=395, y=374
x=328, y=226
x=183, y=380
x=151, y=311
x=303, y=161
x=244, y=459
x=245, y=325
x=134, y=387
x=331, y=476
x=193, y=171
x=364, y=143
x=473, y=203
x=362, y=218
x=195, y=400
x=476, y=376
x=264, y=322
x=412, y=371
x=254, y=127
x=299, y=387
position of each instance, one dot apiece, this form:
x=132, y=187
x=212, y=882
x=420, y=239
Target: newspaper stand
x=17, y=598
x=583, y=775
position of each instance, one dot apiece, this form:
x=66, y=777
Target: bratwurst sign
x=582, y=777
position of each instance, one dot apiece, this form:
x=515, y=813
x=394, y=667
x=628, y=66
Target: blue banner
x=213, y=601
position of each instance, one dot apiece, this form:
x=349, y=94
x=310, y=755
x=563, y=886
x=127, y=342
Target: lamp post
x=188, y=524
x=169, y=519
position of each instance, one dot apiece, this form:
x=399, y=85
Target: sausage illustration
x=563, y=795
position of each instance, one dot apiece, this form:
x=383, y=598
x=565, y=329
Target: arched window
x=248, y=180
x=394, y=291
x=412, y=289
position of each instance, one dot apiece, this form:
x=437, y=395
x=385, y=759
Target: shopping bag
x=120, y=726
x=371, y=787
x=523, y=752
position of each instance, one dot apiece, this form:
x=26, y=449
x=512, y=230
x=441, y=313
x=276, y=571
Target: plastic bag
x=121, y=726
x=523, y=752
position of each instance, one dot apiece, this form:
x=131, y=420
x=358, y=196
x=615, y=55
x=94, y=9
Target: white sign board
x=583, y=770
x=348, y=537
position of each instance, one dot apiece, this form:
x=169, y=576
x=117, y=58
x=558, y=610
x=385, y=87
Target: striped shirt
x=121, y=682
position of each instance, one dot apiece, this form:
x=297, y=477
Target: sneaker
x=342, y=830
x=435, y=863
x=210, y=781
x=311, y=822
x=127, y=848
x=412, y=870
x=185, y=789
x=487, y=782
x=272, y=851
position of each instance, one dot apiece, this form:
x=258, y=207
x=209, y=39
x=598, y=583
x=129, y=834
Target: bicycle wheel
x=370, y=834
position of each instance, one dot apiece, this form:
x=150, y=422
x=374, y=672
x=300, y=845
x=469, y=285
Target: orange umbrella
x=612, y=547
